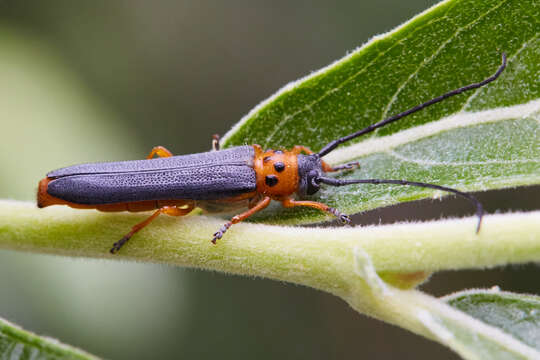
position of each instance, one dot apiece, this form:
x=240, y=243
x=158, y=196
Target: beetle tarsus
x=347, y=166
x=343, y=218
x=118, y=245
x=219, y=234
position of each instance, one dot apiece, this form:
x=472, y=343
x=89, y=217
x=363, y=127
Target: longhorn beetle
x=243, y=176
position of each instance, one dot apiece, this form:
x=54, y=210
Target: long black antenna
x=335, y=143
x=339, y=182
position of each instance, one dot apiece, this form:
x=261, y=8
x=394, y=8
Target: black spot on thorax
x=279, y=166
x=271, y=180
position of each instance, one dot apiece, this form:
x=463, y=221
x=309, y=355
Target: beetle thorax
x=276, y=171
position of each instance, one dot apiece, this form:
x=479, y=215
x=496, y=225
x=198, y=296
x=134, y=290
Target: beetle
x=242, y=176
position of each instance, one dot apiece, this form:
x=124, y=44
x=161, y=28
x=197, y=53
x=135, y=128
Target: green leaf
x=19, y=344
x=480, y=140
x=515, y=314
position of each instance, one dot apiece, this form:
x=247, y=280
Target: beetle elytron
x=243, y=176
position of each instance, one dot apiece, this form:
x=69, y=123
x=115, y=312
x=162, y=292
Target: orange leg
x=236, y=219
x=289, y=203
x=169, y=210
x=160, y=151
x=298, y=149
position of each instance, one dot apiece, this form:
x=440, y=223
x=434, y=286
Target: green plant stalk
x=344, y=261
x=317, y=257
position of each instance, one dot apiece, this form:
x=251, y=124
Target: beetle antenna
x=339, y=182
x=335, y=143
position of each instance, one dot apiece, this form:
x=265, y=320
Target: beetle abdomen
x=205, y=176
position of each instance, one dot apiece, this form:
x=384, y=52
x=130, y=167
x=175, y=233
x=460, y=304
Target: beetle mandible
x=243, y=176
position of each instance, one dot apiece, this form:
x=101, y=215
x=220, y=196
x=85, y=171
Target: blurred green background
x=108, y=80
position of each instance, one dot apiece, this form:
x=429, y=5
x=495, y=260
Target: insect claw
x=118, y=245
x=347, y=166
x=345, y=219
x=115, y=248
x=351, y=165
x=218, y=235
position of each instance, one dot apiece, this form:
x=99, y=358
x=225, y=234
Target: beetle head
x=309, y=172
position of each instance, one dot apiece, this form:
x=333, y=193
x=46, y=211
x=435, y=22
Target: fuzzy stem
x=345, y=261
x=318, y=257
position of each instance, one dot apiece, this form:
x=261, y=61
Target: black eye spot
x=279, y=166
x=271, y=180
x=267, y=158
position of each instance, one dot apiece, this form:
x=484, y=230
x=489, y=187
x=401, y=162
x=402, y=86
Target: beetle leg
x=289, y=203
x=169, y=210
x=255, y=200
x=298, y=149
x=236, y=219
x=215, y=142
x=348, y=166
x=160, y=151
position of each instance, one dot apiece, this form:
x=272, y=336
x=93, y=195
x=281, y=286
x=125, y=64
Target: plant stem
x=344, y=261
x=316, y=257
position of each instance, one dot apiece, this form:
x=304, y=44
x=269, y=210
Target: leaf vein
x=428, y=60
x=455, y=121
x=459, y=163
